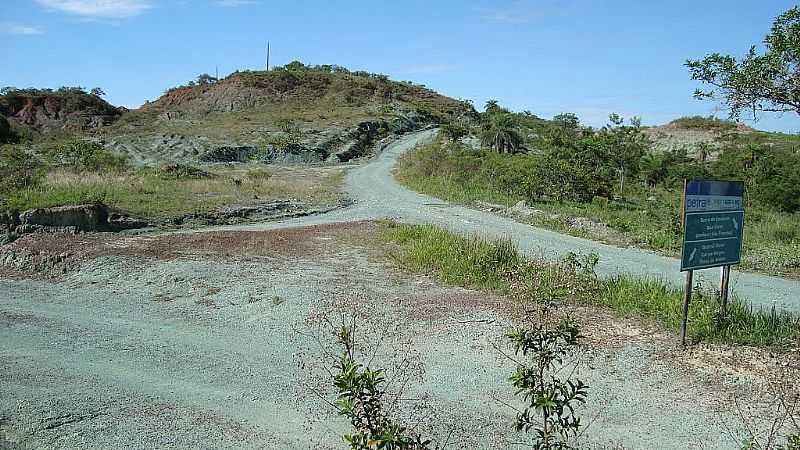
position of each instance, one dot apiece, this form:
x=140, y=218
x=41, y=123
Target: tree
x=499, y=132
x=767, y=82
x=566, y=129
x=295, y=66
x=775, y=178
x=653, y=169
x=567, y=121
x=97, y=92
x=627, y=144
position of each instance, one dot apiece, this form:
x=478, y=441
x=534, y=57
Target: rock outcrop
x=45, y=111
x=85, y=218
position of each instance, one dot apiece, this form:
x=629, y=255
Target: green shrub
x=775, y=179
x=83, y=156
x=454, y=131
x=18, y=169
x=362, y=398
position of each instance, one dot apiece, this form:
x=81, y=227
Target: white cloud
x=235, y=3
x=104, y=9
x=11, y=28
x=426, y=69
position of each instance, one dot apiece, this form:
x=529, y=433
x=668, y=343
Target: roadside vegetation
x=81, y=172
x=611, y=184
x=498, y=266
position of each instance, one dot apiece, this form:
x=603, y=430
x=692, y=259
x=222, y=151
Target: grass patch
x=498, y=266
x=456, y=260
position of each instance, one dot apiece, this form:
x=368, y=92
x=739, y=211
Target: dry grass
x=158, y=199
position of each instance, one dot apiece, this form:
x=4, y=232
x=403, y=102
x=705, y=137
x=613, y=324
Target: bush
x=83, y=156
x=574, y=175
x=18, y=169
x=454, y=132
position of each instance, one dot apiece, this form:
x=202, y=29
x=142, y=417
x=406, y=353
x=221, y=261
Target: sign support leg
x=726, y=277
x=687, y=297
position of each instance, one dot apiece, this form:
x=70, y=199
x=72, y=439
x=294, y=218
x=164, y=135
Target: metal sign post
x=713, y=224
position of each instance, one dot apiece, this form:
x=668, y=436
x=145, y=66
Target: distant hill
x=698, y=134
x=41, y=113
x=292, y=113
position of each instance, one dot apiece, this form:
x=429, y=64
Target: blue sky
x=546, y=56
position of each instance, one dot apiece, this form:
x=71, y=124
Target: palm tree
x=653, y=169
x=491, y=105
x=500, y=133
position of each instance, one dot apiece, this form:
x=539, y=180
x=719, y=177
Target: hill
x=697, y=134
x=295, y=113
x=37, y=114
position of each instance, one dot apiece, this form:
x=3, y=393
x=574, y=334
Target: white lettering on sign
x=703, y=203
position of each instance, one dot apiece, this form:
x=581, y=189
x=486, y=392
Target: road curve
x=377, y=196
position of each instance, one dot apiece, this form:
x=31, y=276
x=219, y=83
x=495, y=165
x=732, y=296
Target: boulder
x=81, y=217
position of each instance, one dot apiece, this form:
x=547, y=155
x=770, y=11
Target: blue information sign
x=713, y=221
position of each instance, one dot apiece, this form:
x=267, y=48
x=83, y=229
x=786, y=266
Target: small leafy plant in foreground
x=360, y=398
x=550, y=399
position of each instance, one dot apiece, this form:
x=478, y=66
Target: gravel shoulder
x=200, y=341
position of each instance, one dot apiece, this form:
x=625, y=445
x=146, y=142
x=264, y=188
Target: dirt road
x=378, y=195
x=191, y=341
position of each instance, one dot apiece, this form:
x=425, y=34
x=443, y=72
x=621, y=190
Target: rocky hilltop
x=697, y=134
x=34, y=114
x=295, y=113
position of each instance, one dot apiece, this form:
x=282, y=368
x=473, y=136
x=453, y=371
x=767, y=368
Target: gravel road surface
x=378, y=196
x=193, y=343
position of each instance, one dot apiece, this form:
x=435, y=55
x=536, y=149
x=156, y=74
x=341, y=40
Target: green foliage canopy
x=758, y=82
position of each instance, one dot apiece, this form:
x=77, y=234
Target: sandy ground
x=206, y=341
